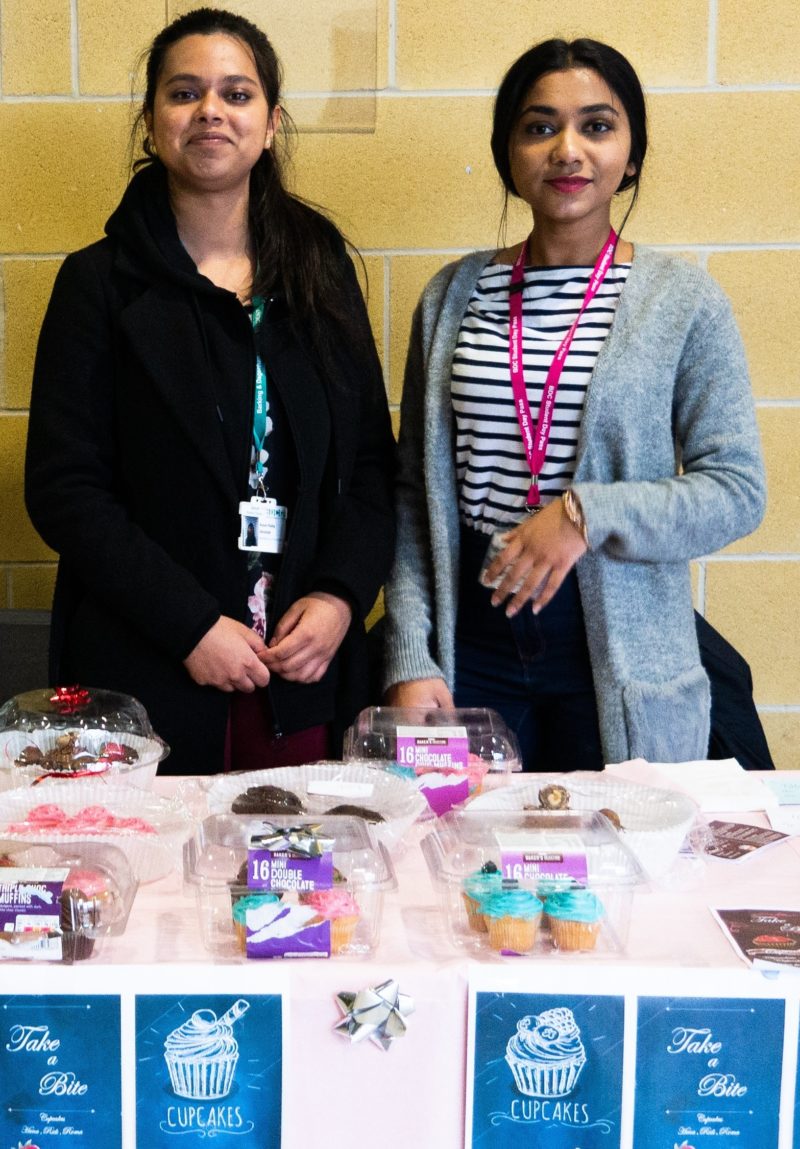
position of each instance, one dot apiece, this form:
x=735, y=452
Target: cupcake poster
x=547, y=1069
x=208, y=1066
x=708, y=1072
x=60, y=1076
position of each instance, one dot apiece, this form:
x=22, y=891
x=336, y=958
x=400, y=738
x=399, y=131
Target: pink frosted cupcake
x=340, y=909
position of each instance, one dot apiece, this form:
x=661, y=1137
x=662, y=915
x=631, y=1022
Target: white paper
x=716, y=786
x=785, y=785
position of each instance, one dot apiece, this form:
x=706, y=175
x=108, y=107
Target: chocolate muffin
x=78, y=914
x=266, y=800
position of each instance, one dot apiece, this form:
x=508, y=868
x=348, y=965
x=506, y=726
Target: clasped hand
x=231, y=657
x=538, y=555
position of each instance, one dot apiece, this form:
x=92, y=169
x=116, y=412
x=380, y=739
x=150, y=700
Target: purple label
x=280, y=870
x=29, y=902
x=432, y=752
x=531, y=865
x=444, y=798
x=277, y=930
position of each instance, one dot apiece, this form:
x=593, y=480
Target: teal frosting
x=481, y=885
x=547, y=886
x=574, y=906
x=512, y=904
x=251, y=902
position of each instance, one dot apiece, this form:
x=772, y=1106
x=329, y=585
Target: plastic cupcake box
x=539, y=883
x=447, y=753
x=652, y=822
x=283, y=886
x=72, y=732
x=59, y=902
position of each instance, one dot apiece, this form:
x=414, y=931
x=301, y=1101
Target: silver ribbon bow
x=378, y=1013
x=300, y=841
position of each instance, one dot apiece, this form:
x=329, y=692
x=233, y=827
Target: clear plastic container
x=653, y=822
x=373, y=735
x=67, y=732
x=148, y=829
x=215, y=866
x=84, y=889
x=319, y=787
x=532, y=884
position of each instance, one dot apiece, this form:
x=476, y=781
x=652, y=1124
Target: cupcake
x=266, y=800
x=476, y=888
x=340, y=909
x=512, y=919
x=546, y=1054
x=575, y=918
x=87, y=904
x=251, y=900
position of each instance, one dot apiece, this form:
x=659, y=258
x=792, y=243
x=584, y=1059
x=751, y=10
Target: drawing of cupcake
x=546, y=1054
x=201, y=1054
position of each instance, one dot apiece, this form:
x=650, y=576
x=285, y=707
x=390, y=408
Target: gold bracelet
x=574, y=512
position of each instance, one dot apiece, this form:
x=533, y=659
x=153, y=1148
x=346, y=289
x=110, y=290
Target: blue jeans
x=532, y=669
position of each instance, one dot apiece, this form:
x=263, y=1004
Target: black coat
x=138, y=453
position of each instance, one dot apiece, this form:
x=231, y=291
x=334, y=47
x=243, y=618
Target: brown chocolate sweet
x=357, y=812
x=266, y=800
x=554, y=797
x=613, y=818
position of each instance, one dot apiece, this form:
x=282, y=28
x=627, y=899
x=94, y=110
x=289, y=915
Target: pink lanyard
x=535, y=443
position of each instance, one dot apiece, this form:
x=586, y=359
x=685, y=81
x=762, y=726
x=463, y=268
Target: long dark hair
x=560, y=56
x=299, y=253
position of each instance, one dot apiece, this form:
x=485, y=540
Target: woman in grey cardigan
x=643, y=455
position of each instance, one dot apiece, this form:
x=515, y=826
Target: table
x=341, y=1095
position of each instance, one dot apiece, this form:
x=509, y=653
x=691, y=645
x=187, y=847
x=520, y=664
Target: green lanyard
x=261, y=407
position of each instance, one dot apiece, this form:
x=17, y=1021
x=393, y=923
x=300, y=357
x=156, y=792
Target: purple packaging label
x=279, y=870
x=442, y=798
x=276, y=930
x=425, y=748
x=30, y=895
x=525, y=865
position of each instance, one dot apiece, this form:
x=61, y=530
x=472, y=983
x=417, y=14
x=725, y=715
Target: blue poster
x=708, y=1072
x=548, y=1070
x=208, y=1067
x=60, y=1077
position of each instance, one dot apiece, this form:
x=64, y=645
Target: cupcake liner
x=569, y=935
x=545, y=1080
x=474, y=916
x=139, y=773
x=515, y=934
x=342, y=930
x=201, y=1078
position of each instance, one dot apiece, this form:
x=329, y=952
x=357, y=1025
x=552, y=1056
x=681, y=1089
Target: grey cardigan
x=668, y=468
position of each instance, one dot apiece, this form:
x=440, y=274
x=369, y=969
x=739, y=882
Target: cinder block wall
x=393, y=99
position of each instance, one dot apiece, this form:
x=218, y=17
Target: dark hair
x=560, y=56
x=299, y=252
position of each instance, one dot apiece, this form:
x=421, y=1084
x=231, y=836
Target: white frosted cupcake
x=546, y=1054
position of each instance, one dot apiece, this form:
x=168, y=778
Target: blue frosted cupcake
x=476, y=888
x=512, y=920
x=242, y=904
x=575, y=918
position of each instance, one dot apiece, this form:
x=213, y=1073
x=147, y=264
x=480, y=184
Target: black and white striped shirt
x=493, y=473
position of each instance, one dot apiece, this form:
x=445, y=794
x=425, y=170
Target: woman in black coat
x=206, y=364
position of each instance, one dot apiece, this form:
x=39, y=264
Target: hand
x=538, y=556
x=432, y=693
x=229, y=657
x=308, y=636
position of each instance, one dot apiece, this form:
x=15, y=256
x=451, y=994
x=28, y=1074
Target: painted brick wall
x=393, y=99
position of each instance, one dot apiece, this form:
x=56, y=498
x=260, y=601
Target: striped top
x=492, y=471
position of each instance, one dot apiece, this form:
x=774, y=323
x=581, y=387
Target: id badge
x=262, y=526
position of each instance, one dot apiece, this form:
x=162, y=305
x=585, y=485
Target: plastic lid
x=374, y=733
x=76, y=708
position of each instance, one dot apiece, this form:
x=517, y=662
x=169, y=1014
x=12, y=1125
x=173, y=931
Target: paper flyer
x=60, y=1071
x=764, y=937
x=546, y=1069
x=208, y=1067
x=698, y=1082
x=733, y=841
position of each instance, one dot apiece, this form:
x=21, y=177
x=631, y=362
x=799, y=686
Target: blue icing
x=512, y=904
x=574, y=906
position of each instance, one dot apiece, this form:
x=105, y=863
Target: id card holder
x=262, y=526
